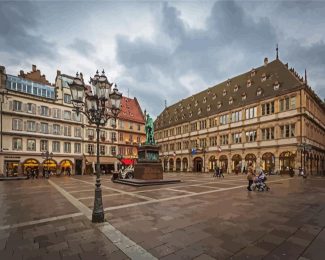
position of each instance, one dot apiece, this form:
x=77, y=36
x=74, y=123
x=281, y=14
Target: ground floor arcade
x=281, y=160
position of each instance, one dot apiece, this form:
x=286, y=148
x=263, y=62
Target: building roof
x=131, y=110
x=34, y=75
x=270, y=80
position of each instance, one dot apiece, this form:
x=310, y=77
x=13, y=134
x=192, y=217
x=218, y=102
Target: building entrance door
x=78, y=169
x=198, y=164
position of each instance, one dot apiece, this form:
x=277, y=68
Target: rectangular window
x=44, y=111
x=203, y=142
x=120, y=137
x=287, y=103
x=17, y=144
x=31, y=145
x=113, y=150
x=56, y=146
x=131, y=125
x=67, y=147
x=213, y=141
x=31, y=126
x=67, y=98
x=44, y=128
x=44, y=145
x=178, y=130
x=90, y=133
x=213, y=122
x=113, y=135
x=185, y=129
x=193, y=126
x=251, y=112
x=251, y=136
x=139, y=127
x=223, y=139
x=236, y=138
x=121, y=124
x=185, y=144
x=202, y=124
x=56, y=129
x=102, y=149
x=17, y=106
x=17, y=124
x=223, y=119
x=90, y=148
x=56, y=112
x=77, y=132
x=236, y=116
x=138, y=139
x=287, y=131
x=77, y=148
x=178, y=146
x=67, y=115
x=268, y=133
x=268, y=108
x=67, y=131
x=31, y=108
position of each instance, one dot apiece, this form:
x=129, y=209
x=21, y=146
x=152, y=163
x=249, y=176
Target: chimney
x=33, y=68
x=21, y=73
x=266, y=61
x=58, y=72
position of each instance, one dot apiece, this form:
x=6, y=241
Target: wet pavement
x=200, y=218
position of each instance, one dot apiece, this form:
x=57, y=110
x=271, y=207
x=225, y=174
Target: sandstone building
x=268, y=116
x=37, y=116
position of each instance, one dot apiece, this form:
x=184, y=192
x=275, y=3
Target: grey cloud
x=82, y=46
x=18, y=24
x=198, y=53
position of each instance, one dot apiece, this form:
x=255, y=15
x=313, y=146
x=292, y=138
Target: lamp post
x=47, y=156
x=98, y=103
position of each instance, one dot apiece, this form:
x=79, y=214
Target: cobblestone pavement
x=200, y=218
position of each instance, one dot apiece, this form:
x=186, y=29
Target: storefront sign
x=12, y=157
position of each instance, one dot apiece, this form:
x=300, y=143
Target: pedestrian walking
x=221, y=173
x=69, y=171
x=250, y=177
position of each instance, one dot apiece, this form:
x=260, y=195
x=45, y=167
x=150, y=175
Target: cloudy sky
x=160, y=51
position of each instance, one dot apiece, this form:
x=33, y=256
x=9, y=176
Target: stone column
x=181, y=164
x=277, y=164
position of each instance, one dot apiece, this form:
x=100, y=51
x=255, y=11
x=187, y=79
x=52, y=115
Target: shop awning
x=127, y=161
x=102, y=160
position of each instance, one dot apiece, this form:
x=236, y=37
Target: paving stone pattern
x=200, y=218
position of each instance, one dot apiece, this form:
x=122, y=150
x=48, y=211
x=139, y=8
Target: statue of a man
x=149, y=130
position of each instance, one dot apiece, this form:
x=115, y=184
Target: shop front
x=107, y=164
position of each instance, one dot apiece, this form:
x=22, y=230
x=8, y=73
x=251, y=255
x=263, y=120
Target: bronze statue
x=149, y=130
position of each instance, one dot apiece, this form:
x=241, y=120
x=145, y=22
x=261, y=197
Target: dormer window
x=182, y=109
x=208, y=91
x=263, y=78
x=231, y=100
x=276, y=85
x=224, y=92
x=170, y=120
x=204, y=100
x=243, y=96
x=199, y=111
x=214, y=96
x=208, y=108
x=192, y=98
x=249, y=83
x=236, y=88
x=253, y=72
x=188, y=106
x=228, y=82
x=259, y=92
x=176, y=118
x=190, y=114
x=219, y=104
x=183, y=116
x=196, y=103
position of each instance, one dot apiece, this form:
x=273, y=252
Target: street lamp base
x=98, y=211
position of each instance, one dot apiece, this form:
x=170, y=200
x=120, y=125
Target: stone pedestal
x=148, y=166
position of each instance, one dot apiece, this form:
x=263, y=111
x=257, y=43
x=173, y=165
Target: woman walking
x=250, y=177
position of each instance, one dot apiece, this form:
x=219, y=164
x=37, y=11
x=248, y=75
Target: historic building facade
x=37, y=116
x=268, y=117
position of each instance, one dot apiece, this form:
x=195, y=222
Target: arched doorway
x=223, y=163
x=50, y=165
x=236, y=163
x=287, y=161
x=66, y=166
x=178, y=164
x=171, y=164
x=250, y=159
x=185, y=164
x=212, y=163
x=30, y=165
x=268, y=162
x=198, y=162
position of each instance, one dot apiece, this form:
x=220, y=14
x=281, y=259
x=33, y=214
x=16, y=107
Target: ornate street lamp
x=47, y=156
x=98, y=103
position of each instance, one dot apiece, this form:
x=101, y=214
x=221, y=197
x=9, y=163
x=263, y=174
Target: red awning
x=127, y=161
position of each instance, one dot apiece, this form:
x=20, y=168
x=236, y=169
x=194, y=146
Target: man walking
x=250, y=177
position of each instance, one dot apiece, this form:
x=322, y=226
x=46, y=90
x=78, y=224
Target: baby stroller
x=259, y=183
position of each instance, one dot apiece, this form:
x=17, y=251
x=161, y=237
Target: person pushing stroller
x=259, y=182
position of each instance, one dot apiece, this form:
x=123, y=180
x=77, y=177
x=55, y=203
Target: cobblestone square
x=200, y=218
